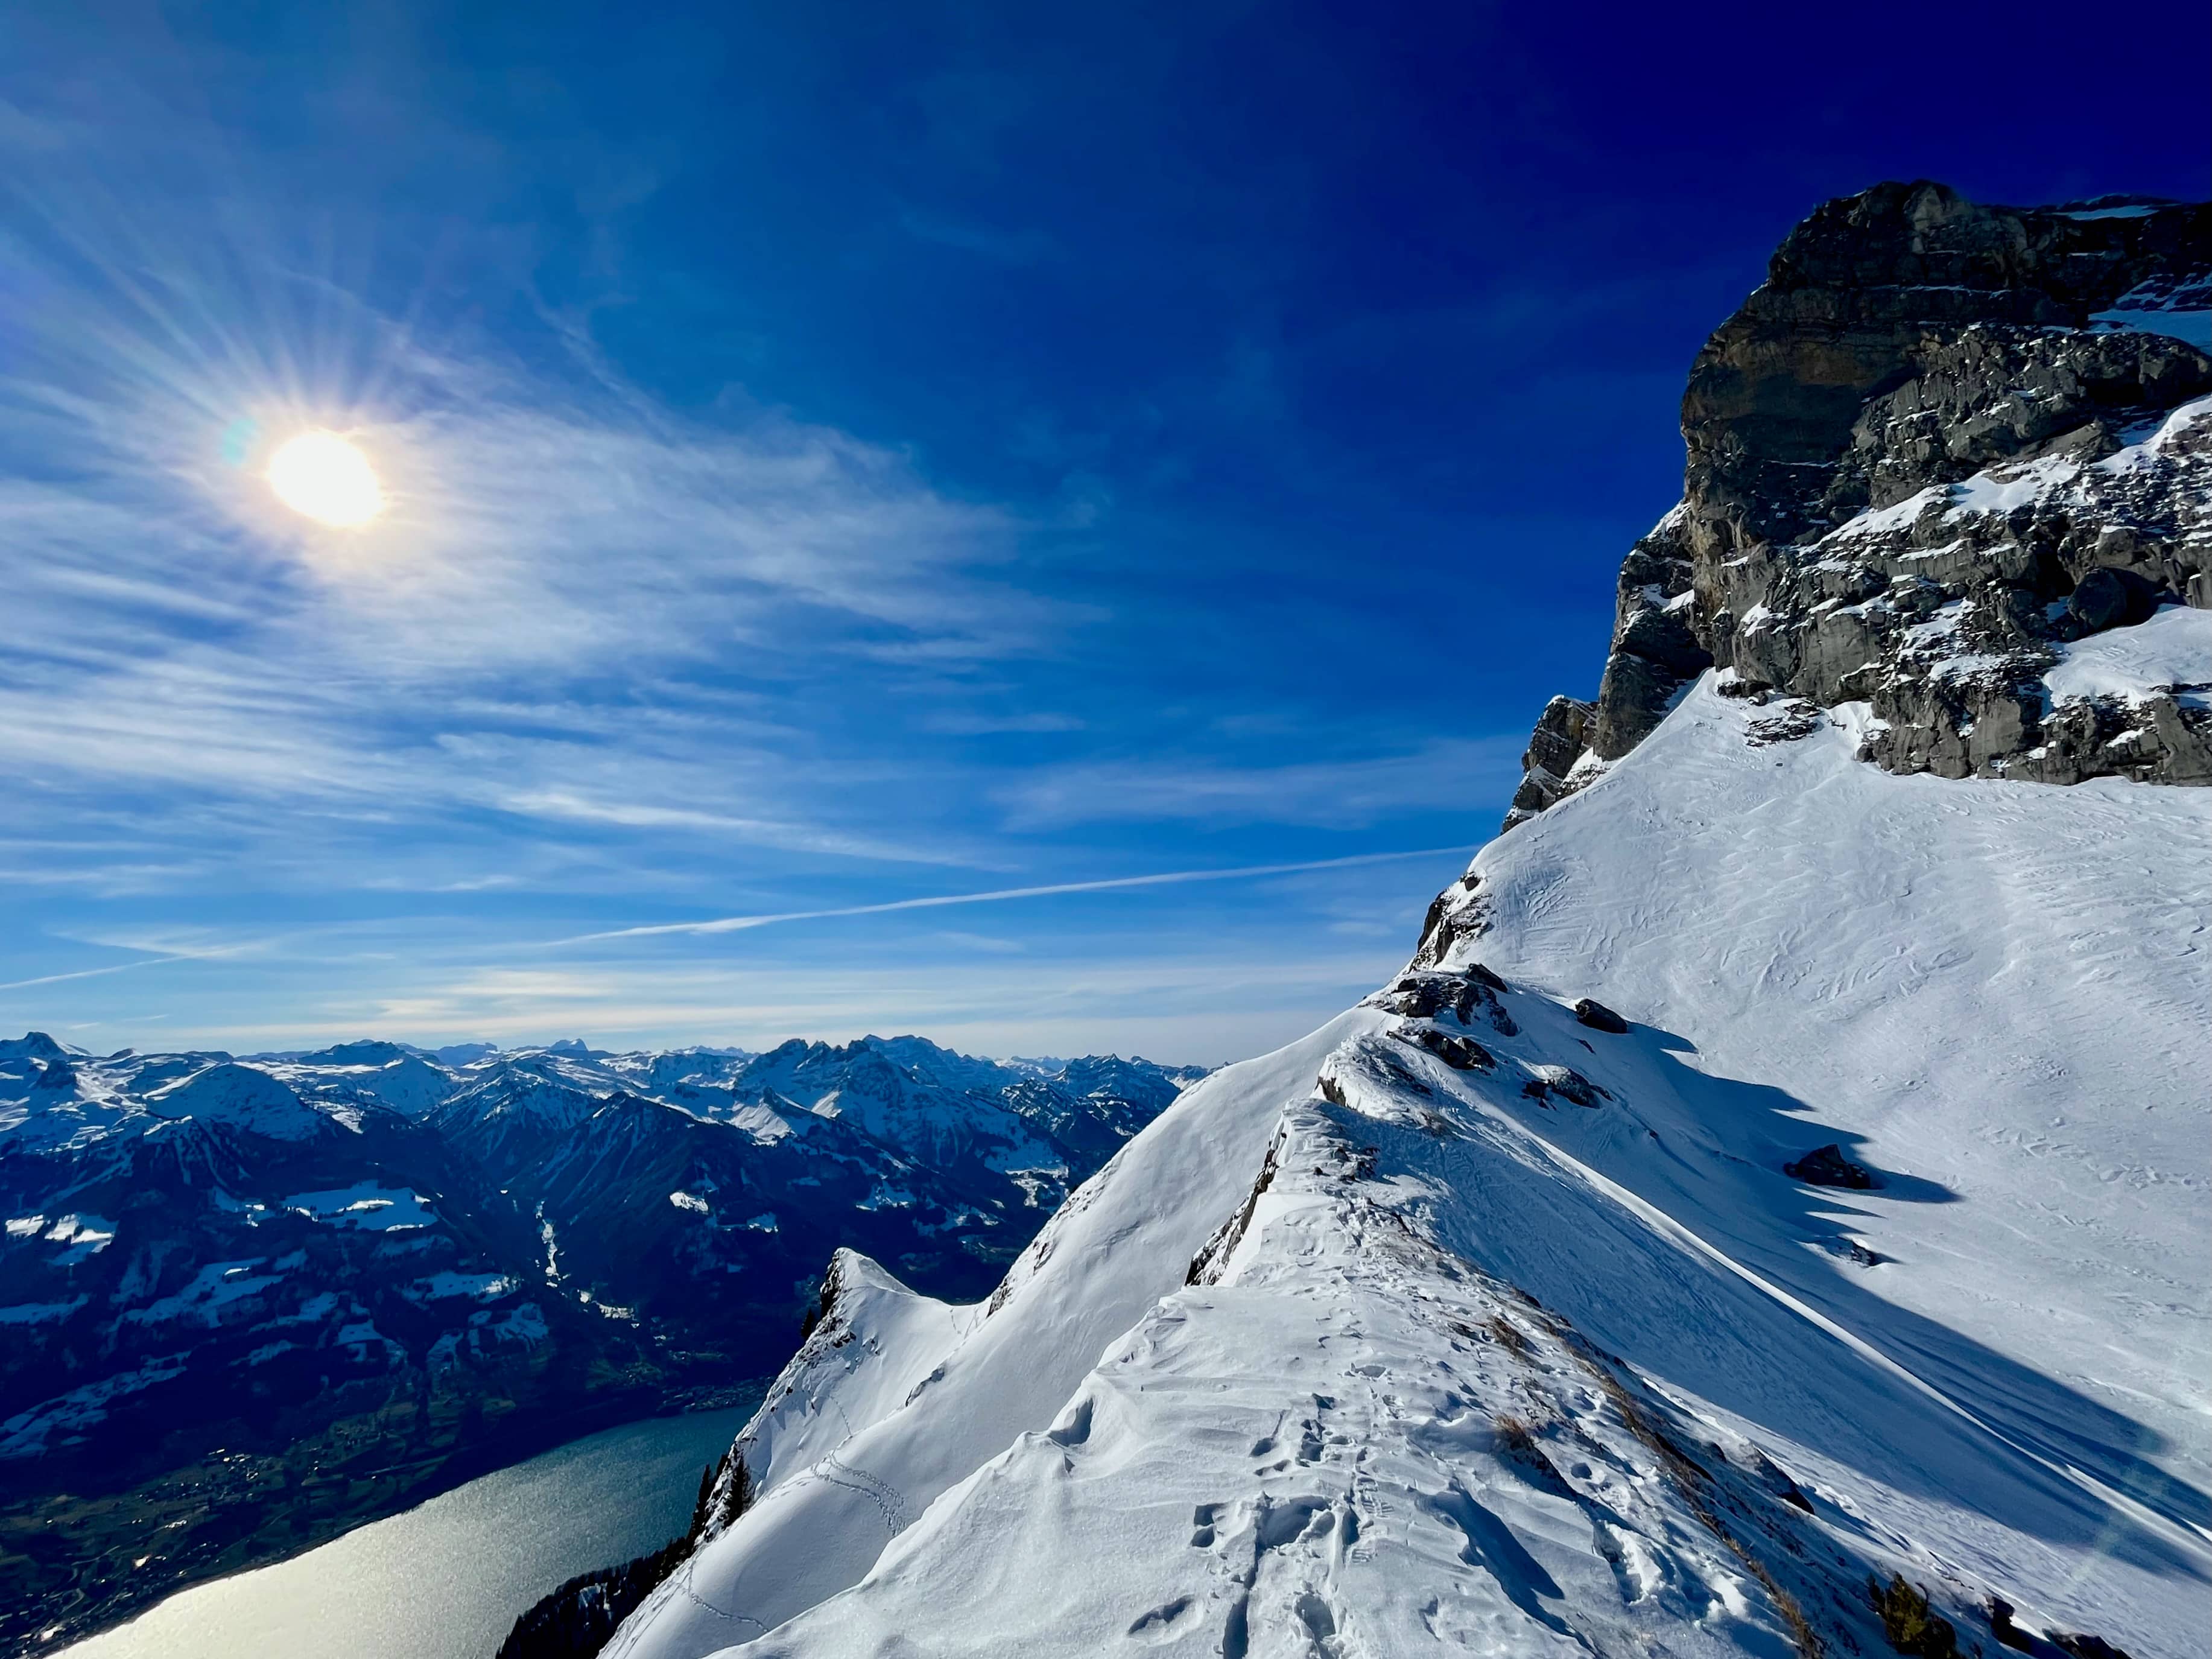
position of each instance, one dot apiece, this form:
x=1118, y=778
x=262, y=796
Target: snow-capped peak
x=241, y=1097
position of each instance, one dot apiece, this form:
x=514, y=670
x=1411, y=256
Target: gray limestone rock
x=1655, y=648
x=1562, y=733
x=1901, y=490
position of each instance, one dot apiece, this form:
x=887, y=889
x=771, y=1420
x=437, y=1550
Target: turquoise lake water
x=445, y=1580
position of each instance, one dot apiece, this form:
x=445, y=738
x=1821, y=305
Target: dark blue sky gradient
x=1323, y=361
x=1301, y=291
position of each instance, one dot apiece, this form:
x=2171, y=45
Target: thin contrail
x=95, y=973
x=737, y=924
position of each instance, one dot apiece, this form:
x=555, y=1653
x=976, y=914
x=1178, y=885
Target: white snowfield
x=2172, y=651
x=1385, y=1343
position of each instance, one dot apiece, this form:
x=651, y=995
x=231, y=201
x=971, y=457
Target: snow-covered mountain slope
x=240, y=1097
x=1034, y=1127
x=508, y=1114
x=1997, y=994
x=887, y=1451
x=1495, y=1330
x=706, y=1212
x=406, y=1081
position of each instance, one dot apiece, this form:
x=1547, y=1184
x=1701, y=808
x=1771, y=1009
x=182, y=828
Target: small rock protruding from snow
x=1599, y=1018
x=1464, y=994
x=1826, y=1166
x=1563, y=1082
x=1460, y=1054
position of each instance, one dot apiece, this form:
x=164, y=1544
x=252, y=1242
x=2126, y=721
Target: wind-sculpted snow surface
x=1996, y=994
x=1467, y=1325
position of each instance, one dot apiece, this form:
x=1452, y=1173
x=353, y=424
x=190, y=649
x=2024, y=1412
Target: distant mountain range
x=310, y=1285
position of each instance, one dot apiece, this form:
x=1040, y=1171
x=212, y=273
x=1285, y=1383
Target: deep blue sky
x=849, y=454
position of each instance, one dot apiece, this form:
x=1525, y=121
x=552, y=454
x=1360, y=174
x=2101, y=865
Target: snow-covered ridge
x=1126, y=1235
x=1469, y=1323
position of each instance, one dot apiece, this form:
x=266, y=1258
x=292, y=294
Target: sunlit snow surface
x=366, y=1206
x=1992, y=995
x=2173, y=648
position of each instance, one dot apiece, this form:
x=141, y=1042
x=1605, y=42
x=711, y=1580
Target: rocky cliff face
x=1940, y=445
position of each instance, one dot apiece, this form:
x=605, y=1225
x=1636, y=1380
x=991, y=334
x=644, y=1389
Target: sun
x=325, y=478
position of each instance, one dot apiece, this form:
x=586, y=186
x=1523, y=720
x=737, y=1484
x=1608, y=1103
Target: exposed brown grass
x=1909, y=1623
x=1515, y=1434
x=1693, y=1481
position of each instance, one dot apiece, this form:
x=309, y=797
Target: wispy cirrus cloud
x=576, y=610
x=161, y=954
x=615, y=657
x=562, y=805
x=1348, y=793
x=566, y=581
x=1021, y=247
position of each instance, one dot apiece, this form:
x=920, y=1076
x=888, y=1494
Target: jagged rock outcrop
x=1562, y=733
x=1942, y=442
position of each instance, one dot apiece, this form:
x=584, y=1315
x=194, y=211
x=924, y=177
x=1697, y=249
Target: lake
x=446, y=1579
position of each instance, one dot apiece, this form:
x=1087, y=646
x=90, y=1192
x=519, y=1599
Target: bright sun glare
x=323, y=475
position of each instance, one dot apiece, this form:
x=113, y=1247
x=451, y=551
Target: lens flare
x=324, y=476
